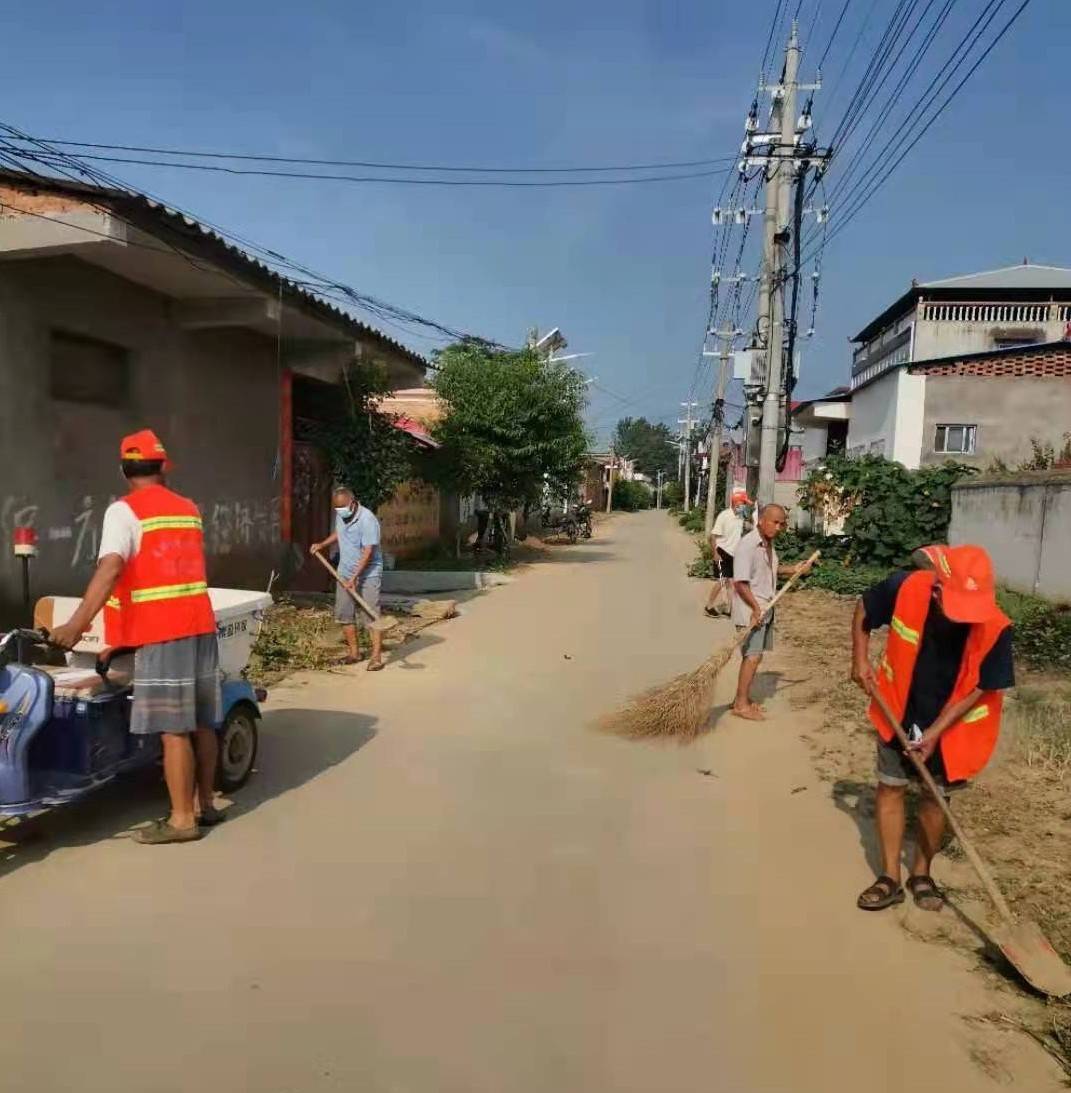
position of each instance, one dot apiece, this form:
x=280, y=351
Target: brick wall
x=1045, y=363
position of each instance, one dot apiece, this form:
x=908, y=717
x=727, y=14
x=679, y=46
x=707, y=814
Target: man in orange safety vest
x=946, y=662
x=150, y=582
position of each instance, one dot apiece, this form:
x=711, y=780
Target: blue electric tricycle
x=63, y=735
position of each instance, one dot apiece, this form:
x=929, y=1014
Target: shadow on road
x=295, y=746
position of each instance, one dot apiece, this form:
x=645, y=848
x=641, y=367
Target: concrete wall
x=887, y=418
x=1008, y=411
x=1025, y=524
x=212, y=396
x=934, y=340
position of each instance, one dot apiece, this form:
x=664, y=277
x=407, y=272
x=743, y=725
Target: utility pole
x=687, y=421
x=658, y=490
x=610, y=481
x=774, y=270
x=717, y=424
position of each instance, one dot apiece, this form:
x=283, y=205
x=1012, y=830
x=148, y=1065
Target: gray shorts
x=177, y=686
x=895, y=769
x=347, y=612
x=761, y=639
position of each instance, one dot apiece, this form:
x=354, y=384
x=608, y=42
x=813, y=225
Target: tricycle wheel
x=237, y=749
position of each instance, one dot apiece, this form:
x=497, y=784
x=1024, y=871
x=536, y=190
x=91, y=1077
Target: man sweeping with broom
x=948, y=658
x=755, y=572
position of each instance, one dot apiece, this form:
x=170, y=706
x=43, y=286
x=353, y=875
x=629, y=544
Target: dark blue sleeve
x=880, y=600
x=998, y=670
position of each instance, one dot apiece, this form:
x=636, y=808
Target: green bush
x=631, y=496
x=1042, y=630
x=703, y=566
x=692, y=520
x=673, y=496
x=890, y=511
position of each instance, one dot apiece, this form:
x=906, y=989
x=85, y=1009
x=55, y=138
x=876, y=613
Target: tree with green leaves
x=512, y=421
x=368, y=453
x=650, y=446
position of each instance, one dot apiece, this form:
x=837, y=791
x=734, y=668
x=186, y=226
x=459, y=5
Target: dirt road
x=441, y=882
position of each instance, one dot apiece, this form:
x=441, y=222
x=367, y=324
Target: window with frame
x=955, y=439
x=86, y=370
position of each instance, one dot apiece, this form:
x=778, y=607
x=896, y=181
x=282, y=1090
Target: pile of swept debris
x=298, y=635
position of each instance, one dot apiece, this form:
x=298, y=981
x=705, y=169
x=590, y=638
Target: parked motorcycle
x=582, y=512
x=564, y=523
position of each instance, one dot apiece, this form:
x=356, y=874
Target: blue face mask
x=346, y=512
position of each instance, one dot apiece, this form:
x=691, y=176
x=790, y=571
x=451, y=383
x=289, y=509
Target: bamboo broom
x=679, y=709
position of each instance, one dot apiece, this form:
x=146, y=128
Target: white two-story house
x=957, y=324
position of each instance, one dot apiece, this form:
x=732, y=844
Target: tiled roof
x=147, y=214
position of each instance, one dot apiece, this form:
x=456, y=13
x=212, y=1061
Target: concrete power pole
x=717, y=425
x=610, y=482
x=774, y=268
x=687, y=421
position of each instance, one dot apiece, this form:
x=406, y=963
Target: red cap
x=968, y=585
x=741, y=496
x=146, y=446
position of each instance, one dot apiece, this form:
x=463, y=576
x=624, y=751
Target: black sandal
x=887, y=891
x=922, y=888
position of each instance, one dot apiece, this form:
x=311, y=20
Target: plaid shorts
x=177, y=686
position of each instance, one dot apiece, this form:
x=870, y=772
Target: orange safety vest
x=162, y=593
x=967, y=745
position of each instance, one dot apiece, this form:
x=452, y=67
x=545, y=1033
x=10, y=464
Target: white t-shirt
x=729, y=528
x=121, y=532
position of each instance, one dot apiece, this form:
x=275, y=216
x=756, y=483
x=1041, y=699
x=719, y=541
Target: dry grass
x=1018, y=813
x=296, y=638
x=676, y=710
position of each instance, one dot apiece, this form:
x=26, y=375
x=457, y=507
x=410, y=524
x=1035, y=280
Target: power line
x=854, y=211
x=394, y=180
x=76, y=171
x=833, y=36
x=190, y=153
x=915, y=115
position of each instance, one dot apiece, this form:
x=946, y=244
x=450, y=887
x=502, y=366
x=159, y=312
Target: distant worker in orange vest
x=947, y=661
x=150, y=582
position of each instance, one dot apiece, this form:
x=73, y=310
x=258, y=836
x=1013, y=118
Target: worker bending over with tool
x=150, y=582
x=946, y=662
x=360, y=567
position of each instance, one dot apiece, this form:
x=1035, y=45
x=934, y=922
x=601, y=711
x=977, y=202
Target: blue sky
x=623, y=271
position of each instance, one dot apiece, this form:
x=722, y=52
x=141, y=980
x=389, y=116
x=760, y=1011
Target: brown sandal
x=375, y=666
x=888, y=893
x=926, y=894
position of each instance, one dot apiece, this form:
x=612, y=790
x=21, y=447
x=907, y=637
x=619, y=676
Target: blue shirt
x=353, y=537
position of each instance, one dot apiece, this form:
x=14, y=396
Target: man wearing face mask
x=360, y=564
x=726, y=533
x=150, y=582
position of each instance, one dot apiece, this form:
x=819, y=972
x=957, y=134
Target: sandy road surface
x=440, y=882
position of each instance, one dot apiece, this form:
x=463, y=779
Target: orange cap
x=968, y=585
x=146, y=446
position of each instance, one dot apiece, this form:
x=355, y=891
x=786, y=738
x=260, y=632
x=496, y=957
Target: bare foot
x=749, y=713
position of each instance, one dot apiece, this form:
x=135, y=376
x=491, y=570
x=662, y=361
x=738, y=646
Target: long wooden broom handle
x=358, y=600
x=968, y=848
x=800, y=572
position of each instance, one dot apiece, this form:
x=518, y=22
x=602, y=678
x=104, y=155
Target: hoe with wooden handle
x=383, y=623
x=1022, y=942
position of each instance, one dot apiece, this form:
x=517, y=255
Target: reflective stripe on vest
x=160, y=523
x=905, y=631
x=979, y=713
x=113, y=602
x=168, y=592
